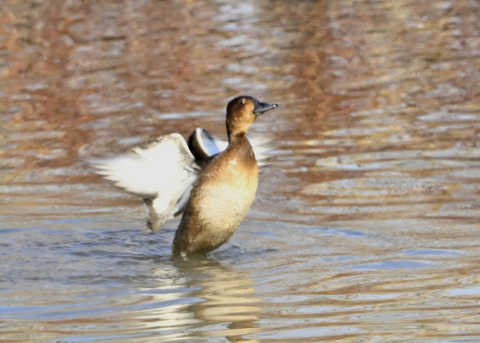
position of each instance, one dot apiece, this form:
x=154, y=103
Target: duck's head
x=242, y=112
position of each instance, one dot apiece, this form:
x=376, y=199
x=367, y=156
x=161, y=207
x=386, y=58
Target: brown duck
x=213, y=190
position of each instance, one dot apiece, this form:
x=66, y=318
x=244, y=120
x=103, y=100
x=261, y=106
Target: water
x=366, y=223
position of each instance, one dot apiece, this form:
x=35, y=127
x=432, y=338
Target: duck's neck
x=236, y=138
x=240, y=147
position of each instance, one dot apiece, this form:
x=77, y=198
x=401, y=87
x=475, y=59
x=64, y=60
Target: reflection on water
x=365, y=226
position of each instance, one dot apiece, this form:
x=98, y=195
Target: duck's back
x=220, y=199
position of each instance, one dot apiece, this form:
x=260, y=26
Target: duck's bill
x=262, y=107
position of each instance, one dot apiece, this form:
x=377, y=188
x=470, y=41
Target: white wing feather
x=164, y=171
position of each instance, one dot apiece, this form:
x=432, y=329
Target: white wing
x=261, y=145
x=209, y=143
x=163, y=171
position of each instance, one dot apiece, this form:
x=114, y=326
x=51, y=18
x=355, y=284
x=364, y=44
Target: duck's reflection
x=227, y=305
x=202, y=298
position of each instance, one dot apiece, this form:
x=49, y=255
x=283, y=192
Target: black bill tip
x=262, y=107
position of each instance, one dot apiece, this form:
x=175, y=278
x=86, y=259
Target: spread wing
x=261, y=145
x=163, y=170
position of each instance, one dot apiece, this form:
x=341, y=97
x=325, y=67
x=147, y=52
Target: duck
x=212, y=183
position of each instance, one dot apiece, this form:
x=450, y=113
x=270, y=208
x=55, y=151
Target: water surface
x=366, y=223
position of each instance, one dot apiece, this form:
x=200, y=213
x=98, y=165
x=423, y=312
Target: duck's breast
x=227, y=188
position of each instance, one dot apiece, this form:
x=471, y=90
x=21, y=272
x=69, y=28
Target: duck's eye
x=243, y=102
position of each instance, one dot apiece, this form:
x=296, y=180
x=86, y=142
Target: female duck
x=226, y=187
x=214, y=192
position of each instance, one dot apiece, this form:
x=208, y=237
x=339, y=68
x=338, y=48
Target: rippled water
x=366, y=226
